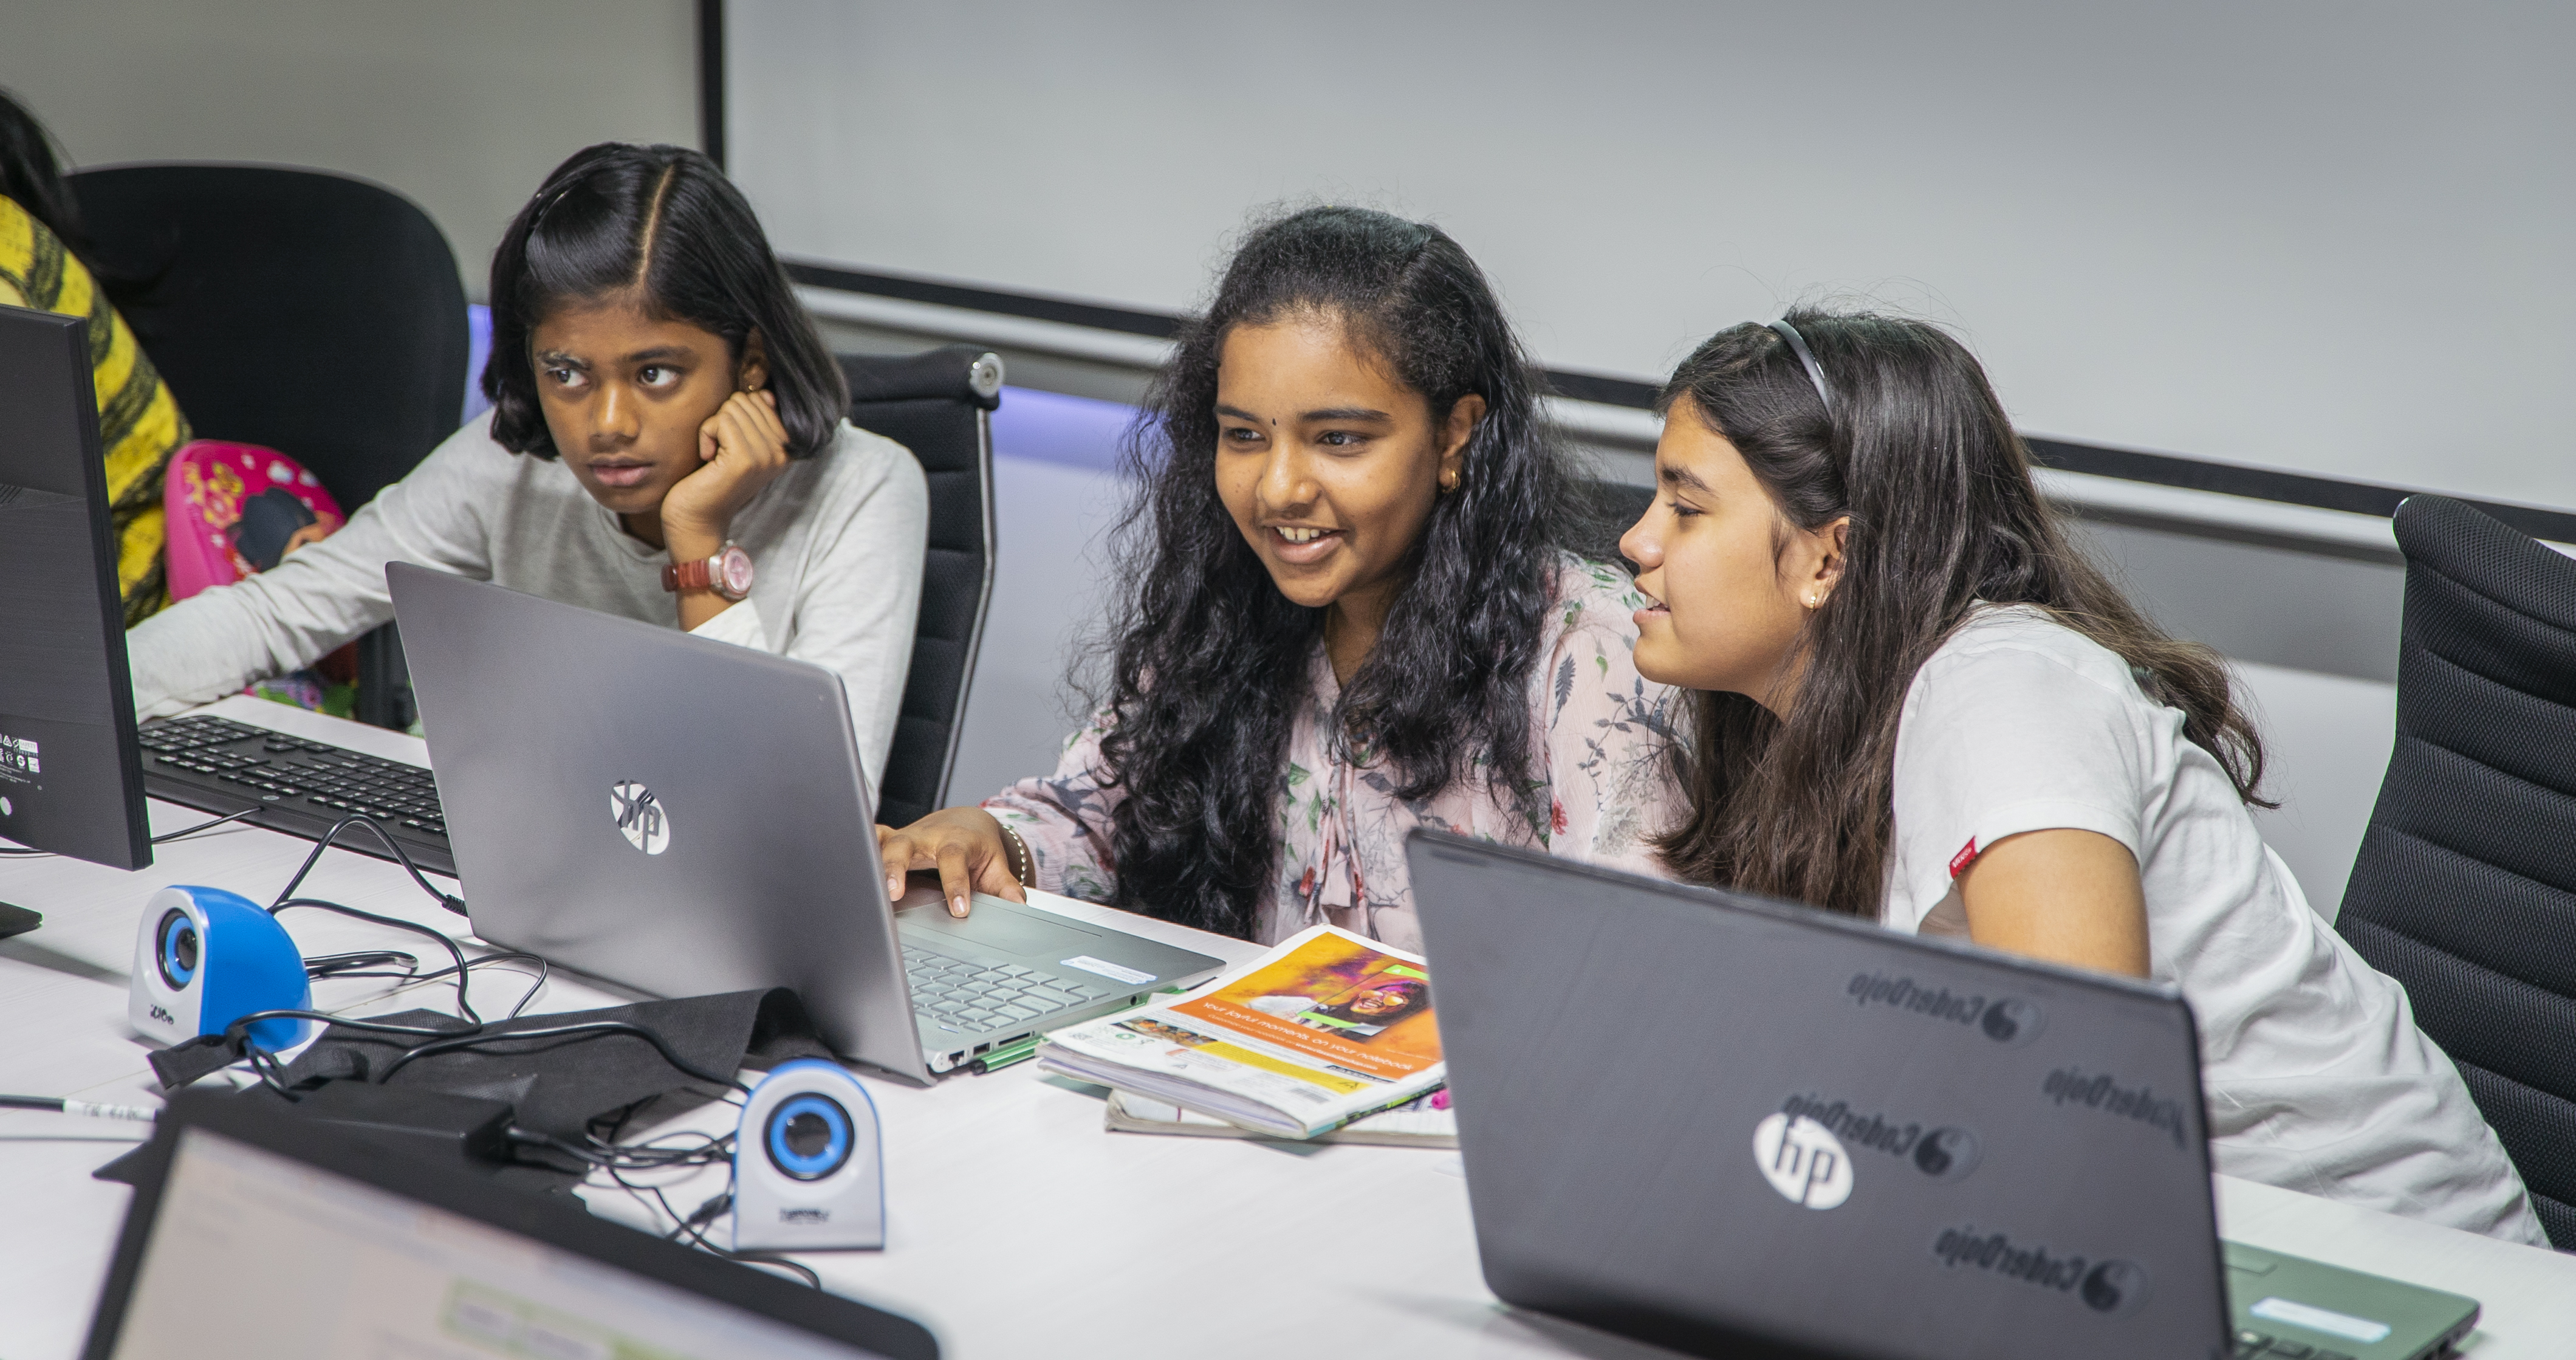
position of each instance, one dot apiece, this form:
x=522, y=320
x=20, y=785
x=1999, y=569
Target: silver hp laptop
x=1734, y=1127
x=686, y=817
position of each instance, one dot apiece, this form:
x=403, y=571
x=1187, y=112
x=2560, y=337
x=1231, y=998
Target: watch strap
x=698, y=575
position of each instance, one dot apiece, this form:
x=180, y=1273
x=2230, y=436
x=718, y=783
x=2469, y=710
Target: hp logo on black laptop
x=640, y=817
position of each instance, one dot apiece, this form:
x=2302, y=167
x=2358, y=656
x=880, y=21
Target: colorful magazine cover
x=1324, y=1028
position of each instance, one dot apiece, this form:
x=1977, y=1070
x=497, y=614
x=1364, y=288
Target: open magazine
x=1319, y=1031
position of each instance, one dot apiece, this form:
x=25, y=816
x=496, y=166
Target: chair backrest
x=309, y=312
x=937, y=404
x=2465, y=886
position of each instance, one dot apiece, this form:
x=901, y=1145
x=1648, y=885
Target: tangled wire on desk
x=598, y=1149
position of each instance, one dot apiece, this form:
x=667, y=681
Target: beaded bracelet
x=1018, y=851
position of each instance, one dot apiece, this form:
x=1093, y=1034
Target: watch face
x=733, y=572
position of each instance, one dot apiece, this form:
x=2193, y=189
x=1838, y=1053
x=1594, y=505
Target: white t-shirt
x=835, y=542
x=2317, y=1078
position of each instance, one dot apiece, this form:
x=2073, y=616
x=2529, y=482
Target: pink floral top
x=1600, y=730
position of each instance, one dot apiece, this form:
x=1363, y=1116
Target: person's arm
x=2020, y=779
x=325, y=594
x=1062, y=820
x=2061, y=895
x=741, y=449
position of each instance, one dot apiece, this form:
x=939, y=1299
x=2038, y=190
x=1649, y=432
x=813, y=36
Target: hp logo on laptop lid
x=640, y=817
x=1803, y=1161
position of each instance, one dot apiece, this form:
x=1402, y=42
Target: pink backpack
x=211, y=486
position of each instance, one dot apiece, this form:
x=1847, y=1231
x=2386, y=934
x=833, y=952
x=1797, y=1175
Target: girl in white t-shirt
x=1919, y=703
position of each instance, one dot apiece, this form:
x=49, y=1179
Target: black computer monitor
x=71, y=776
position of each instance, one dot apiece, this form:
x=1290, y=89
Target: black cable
x=352, y=965
x=272, y=1073
x=690, y=1225
x=448, y=900
x=545, y=970
x=708, y=1211
x=265, y=1064
x=641, y=1157
x=241, y=1026
x=583, y=1030
x=464, y=1005
x=203, y=826
x=139, y=1113
x=14, y=853
x=178, y=835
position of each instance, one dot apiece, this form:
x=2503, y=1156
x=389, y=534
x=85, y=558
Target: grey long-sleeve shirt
x=836, y=541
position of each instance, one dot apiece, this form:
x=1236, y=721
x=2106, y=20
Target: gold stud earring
x=1448, y=481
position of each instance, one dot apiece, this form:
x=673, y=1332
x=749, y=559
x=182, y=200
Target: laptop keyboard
x=2255, y=1343
x=967, y=998
x=300, y=787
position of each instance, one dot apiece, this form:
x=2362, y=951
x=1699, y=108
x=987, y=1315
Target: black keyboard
x=299, y=787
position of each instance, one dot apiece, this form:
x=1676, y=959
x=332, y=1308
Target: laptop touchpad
x=1001, y=930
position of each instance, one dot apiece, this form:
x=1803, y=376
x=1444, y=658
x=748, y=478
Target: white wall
x=461, y=105
x=2302, y=233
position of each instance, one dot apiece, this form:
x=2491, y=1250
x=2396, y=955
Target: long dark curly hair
x=1209, y=662
x=1918, y=452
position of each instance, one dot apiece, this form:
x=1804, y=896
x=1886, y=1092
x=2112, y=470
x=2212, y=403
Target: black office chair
x=309, y=312
x=938, y=405
x=2465, y=887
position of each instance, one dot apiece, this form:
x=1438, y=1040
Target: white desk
x=1016, y=1226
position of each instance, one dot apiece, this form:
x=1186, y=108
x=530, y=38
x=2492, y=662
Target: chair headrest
x=2474, y=548
x=952, y=372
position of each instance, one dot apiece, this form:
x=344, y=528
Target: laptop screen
x=253, y=1254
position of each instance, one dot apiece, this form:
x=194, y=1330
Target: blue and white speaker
x=808, y=1164
x=204, y=958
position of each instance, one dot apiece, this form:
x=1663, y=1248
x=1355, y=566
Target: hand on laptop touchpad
x=1002, y=930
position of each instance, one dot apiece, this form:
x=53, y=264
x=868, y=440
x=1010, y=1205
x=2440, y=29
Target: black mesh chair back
x=2465, y=887
x=937, y=404
x=312, y=313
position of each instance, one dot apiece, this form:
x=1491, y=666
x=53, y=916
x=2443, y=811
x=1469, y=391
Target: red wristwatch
x=728, y=573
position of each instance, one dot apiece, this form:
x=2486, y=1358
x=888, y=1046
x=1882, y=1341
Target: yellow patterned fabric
x=139, y=425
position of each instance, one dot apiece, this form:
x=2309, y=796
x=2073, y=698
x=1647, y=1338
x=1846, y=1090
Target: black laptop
x=267, y=1235
x=1736, y=1127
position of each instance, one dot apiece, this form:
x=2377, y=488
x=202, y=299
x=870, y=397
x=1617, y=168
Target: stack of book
x=1328, y=1036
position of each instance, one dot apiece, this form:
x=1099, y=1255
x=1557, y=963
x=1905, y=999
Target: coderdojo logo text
x=2099, y=1091
x=2006, y=1020
x=2118, y=1287
x=1946, y=1153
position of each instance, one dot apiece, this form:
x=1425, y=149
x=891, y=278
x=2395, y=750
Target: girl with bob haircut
x=1918, y=702
x=1352, y=610
x=666, y=443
